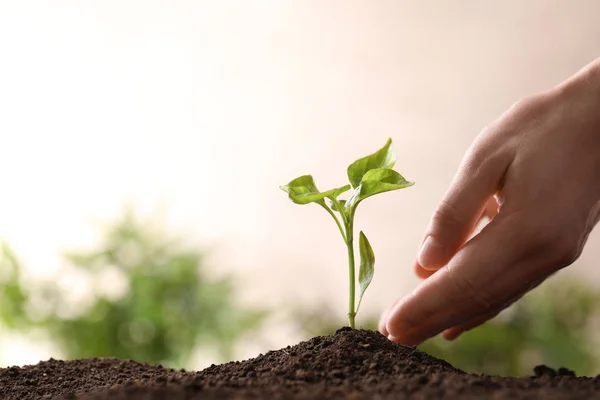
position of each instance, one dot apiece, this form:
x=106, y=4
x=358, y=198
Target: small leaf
x=367, y=266
x=336, y=192
x=303, y=190
x=381, y=180
x=377, y=181
x=382, y=158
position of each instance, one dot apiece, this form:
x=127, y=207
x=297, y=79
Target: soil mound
x=352, y=364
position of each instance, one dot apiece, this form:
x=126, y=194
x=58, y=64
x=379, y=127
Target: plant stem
x=350, y=245
x=337, y=222
x=341, y=211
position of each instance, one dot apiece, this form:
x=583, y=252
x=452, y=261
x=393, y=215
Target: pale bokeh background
x=201, y=109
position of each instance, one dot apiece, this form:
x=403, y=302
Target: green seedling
x=368, y=176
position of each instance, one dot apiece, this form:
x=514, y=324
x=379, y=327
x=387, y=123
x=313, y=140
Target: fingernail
x=431, y=253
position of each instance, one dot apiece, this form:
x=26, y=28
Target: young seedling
x=368, y=176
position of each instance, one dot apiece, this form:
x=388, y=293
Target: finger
x=422, y=272
x=476, y=181
x=454, y=332
x=495, y=267
x=384, y=317
x=489, y=212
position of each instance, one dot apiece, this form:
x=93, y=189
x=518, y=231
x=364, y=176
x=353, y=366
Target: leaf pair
x=383, y=158
x=368, y=176
x=376, y=181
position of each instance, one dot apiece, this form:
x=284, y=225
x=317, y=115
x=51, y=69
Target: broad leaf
x=333, y=194
x=367, y=266
x=303, y=190
x=377, y=181
x=382, y=158
x=381, y=180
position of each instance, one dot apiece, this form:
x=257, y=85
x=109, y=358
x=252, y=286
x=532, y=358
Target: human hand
x=535, y=172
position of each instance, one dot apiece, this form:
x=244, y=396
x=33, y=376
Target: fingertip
x=422, y=272
x=383, y=319
x=433, y=253
x=452, y=334
x=406, y=340
x=428, y=310
x=398, y=326
x=382, y=324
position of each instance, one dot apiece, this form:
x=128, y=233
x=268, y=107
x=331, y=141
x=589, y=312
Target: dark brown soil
x=348, y=365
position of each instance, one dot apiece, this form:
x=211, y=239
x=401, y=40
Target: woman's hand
x=536, y=173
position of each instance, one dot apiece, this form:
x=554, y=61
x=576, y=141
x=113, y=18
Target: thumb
x=472, y=189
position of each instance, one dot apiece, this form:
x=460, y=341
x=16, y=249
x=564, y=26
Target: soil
x=352, y=364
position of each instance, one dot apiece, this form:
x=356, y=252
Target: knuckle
x=489, y=153
x=469, y=290
x=447, y=215
x=561, y=246
x=499, y=134
x=566, y=249
x=475, y=158
x=530, y=104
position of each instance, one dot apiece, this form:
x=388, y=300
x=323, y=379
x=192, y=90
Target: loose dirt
x=352, y=364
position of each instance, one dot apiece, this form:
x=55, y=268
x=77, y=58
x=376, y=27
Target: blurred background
x=143, y=143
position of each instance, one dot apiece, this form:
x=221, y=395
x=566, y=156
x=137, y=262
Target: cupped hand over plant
x=535, y=172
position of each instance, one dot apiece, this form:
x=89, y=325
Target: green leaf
x=303, y=190
x=367, y=266
x=377, y=181
x=336, y=192
x=381, y=180
x=382, y=158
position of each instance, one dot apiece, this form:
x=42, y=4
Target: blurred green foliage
x=13, y=297
x=151, y=299
x=556, y=325
x=148, y=297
